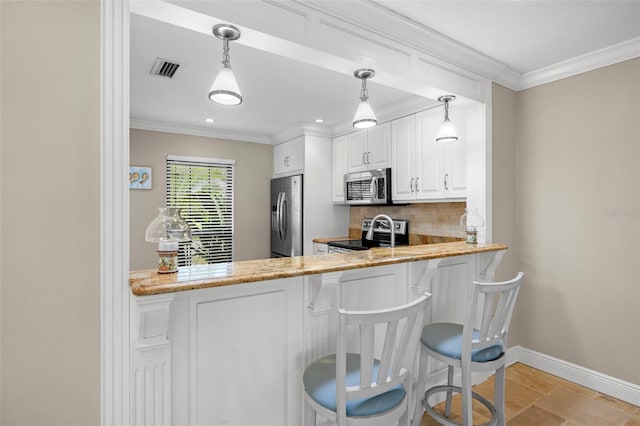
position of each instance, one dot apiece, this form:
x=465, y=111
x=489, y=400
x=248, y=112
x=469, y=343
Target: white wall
x=49, y=214
x=578, y=219
x=253, y=169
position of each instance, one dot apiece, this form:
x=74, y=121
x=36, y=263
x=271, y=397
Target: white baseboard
x=586, y=377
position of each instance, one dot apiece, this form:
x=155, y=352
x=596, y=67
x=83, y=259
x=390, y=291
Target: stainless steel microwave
x=368, y=187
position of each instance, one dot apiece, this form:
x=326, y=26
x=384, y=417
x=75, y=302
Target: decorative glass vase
x=168, y=226
x=167, y=229
x=471, y=221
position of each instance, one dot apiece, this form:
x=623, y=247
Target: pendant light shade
x=447, y=132
x=225, y=89
x=365, y=116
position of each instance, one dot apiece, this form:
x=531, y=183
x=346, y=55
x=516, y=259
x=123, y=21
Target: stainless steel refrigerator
x=286, y=216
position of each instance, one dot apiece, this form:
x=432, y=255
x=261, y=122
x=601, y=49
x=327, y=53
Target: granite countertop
x=148, y=282
x=327, y=240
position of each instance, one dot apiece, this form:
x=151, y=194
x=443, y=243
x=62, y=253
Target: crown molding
x=301, y=129
x=437, y=46
x=597, y=59
x=182, y=129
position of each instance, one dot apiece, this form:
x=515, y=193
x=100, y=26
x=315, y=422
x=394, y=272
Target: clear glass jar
x=471, y=221
x=168, y=226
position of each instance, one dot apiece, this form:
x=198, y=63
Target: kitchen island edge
x=149, y=282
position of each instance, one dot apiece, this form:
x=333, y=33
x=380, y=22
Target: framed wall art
x=139, y=177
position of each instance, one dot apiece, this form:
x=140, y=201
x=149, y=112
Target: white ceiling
x=278, y=92
x=526, y=36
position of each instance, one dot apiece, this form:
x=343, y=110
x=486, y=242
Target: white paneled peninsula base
x=227, y=344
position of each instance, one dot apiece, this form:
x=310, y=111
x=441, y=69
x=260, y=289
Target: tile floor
x=539, y=399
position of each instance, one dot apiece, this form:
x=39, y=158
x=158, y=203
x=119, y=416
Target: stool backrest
x=401, y=337
x=497, y=309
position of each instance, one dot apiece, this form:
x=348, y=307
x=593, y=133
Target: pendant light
x=447, y=132
x=224, y=89
x=364, y=114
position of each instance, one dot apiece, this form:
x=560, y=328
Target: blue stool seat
x=445, y=338
x=320, y=383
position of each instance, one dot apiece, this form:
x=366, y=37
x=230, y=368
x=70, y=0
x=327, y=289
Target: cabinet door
x=340, y=163
x=429, y=167
x=295, y=154
x=403, y=138
x=379, y=146
x=279, y=159
x=455, y=157
x=358, y=151
x=288, y=157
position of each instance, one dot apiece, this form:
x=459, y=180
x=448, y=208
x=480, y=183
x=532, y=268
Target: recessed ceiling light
x=319, y=120
x=209, y=120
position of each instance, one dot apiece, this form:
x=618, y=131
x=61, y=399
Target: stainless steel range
x=381, y=236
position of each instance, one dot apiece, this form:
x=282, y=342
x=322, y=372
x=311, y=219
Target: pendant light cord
x=364, y=93
x=226, y=60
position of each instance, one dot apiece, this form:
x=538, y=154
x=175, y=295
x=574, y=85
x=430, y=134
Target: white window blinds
x=203, y=189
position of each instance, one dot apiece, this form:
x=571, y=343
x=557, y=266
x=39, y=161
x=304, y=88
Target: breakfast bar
x=227, y=343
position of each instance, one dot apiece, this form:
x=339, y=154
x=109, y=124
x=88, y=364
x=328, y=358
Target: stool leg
x=420, y=388
x=498, y=397
x=467, y=400
x=447, y=405
x=309, y=415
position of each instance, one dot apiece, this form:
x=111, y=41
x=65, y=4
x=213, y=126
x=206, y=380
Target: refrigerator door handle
x=275, y=216
x=282, y=228
x=284, y=216
x=279, y=224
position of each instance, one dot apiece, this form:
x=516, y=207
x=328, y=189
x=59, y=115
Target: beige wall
x=253, y=170
x=49, y=176
x=578, y=216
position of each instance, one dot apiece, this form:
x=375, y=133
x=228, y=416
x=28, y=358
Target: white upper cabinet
x=423, y=169
x=403, y=167
x=429, y=168
x=370, y=148
x=288, y=157
x=340, y=166
x=358, y=147
x=455, y=157
x=379, y=150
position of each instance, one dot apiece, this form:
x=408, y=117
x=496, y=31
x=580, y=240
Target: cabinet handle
x=411, y=184
x=368, y=159
x=446, y=183
x=364, y=158
x=417, y=180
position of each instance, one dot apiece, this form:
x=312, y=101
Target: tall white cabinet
x=340, y=166
x=309, y=154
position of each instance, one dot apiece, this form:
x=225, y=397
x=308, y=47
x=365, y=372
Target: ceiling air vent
x=164, y=68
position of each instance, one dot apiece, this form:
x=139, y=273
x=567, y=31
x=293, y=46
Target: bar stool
x=471, y=349
x=358, y=389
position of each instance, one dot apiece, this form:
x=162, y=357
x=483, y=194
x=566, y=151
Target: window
x=203, y=189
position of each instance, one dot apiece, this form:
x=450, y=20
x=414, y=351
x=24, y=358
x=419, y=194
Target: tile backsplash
x=434, y=219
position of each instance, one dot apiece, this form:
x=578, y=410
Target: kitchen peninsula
x=212, y=340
